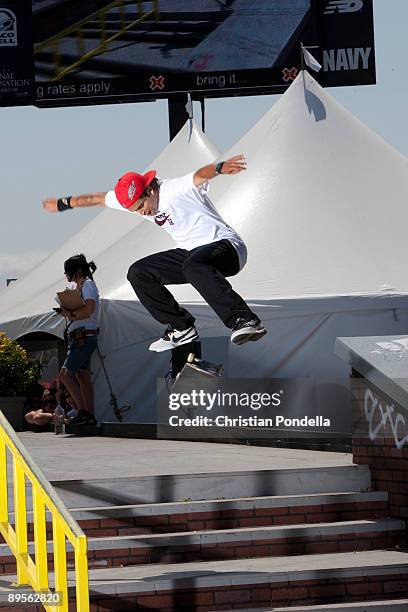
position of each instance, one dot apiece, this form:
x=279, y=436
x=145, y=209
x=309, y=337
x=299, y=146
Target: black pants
x=205, y=268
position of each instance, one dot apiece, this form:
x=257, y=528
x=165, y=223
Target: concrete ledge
x=166, y=488
x=384, y=367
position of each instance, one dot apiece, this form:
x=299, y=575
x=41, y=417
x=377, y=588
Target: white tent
x=322, y=206
x=322, y=209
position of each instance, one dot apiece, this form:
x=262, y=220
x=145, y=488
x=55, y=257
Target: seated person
x=44, y=415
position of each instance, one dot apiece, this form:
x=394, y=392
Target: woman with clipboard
x=81, y=308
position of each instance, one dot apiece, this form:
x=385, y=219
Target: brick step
x=232, y=544
x=394, y=605
x=227, y=513
x=222, y=585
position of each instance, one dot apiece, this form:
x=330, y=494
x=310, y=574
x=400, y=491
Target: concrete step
x=248, y=542
x=226, y=513
x=285, y=581
x=231, y=513
x=163, y=488
x=209, y=486
x=392, y=605
x=233, y=543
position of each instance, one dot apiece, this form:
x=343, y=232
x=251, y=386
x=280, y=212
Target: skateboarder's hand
x=233, y=165
x=50, y=205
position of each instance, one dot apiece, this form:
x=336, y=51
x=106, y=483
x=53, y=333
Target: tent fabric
x=34, y=293
x=299, y=343
x=322, y=209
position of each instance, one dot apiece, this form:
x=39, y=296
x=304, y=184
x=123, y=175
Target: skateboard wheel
x=191, y=358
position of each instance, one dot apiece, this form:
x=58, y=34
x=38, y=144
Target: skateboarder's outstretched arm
x=230, y=166
x=81, y=201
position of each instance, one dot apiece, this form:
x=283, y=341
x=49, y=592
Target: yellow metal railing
x=35, y=573
x=77, y=28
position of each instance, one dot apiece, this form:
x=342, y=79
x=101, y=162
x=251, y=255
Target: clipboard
x=70, y=299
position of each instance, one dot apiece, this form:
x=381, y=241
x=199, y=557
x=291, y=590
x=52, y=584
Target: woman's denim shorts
x=79, y=357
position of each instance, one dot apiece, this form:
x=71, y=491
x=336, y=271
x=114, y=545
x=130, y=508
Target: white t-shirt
x=188, y=215
x=89, y=292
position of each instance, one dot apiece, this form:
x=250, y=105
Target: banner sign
x=16, y=53
x=103, y=51
x=346, y=42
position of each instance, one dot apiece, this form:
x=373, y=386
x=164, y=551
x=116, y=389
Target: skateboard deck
x=205, y=367
x=196, y=368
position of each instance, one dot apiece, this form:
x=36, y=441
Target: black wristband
x=64, y=204
x=218, y=167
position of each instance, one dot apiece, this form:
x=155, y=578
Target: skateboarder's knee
x=136, y=271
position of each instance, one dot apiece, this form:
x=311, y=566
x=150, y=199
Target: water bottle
x=59, y=419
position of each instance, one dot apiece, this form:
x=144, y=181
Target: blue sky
x=56, y=152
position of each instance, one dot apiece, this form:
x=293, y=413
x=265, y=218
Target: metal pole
x=202, y=105
x=177, y=113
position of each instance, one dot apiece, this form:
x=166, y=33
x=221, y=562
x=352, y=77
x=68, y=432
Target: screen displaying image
x=168, y=35
x=92, y=51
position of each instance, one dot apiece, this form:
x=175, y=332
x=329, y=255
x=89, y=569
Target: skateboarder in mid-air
x=208, y=250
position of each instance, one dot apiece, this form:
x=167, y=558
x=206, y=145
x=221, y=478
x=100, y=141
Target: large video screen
x=95, y=51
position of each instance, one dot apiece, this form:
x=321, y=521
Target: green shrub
x=17, y=372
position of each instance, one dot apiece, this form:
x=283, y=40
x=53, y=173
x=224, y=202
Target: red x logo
x=289, y=74
x=157, y=82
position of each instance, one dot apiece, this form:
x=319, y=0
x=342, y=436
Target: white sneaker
x=172, y=338
x=245, y=331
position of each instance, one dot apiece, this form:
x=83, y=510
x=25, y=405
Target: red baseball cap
x=131, y=185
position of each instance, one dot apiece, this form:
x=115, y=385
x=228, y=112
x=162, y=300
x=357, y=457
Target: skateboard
x=199, y=368
x=205, y=367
